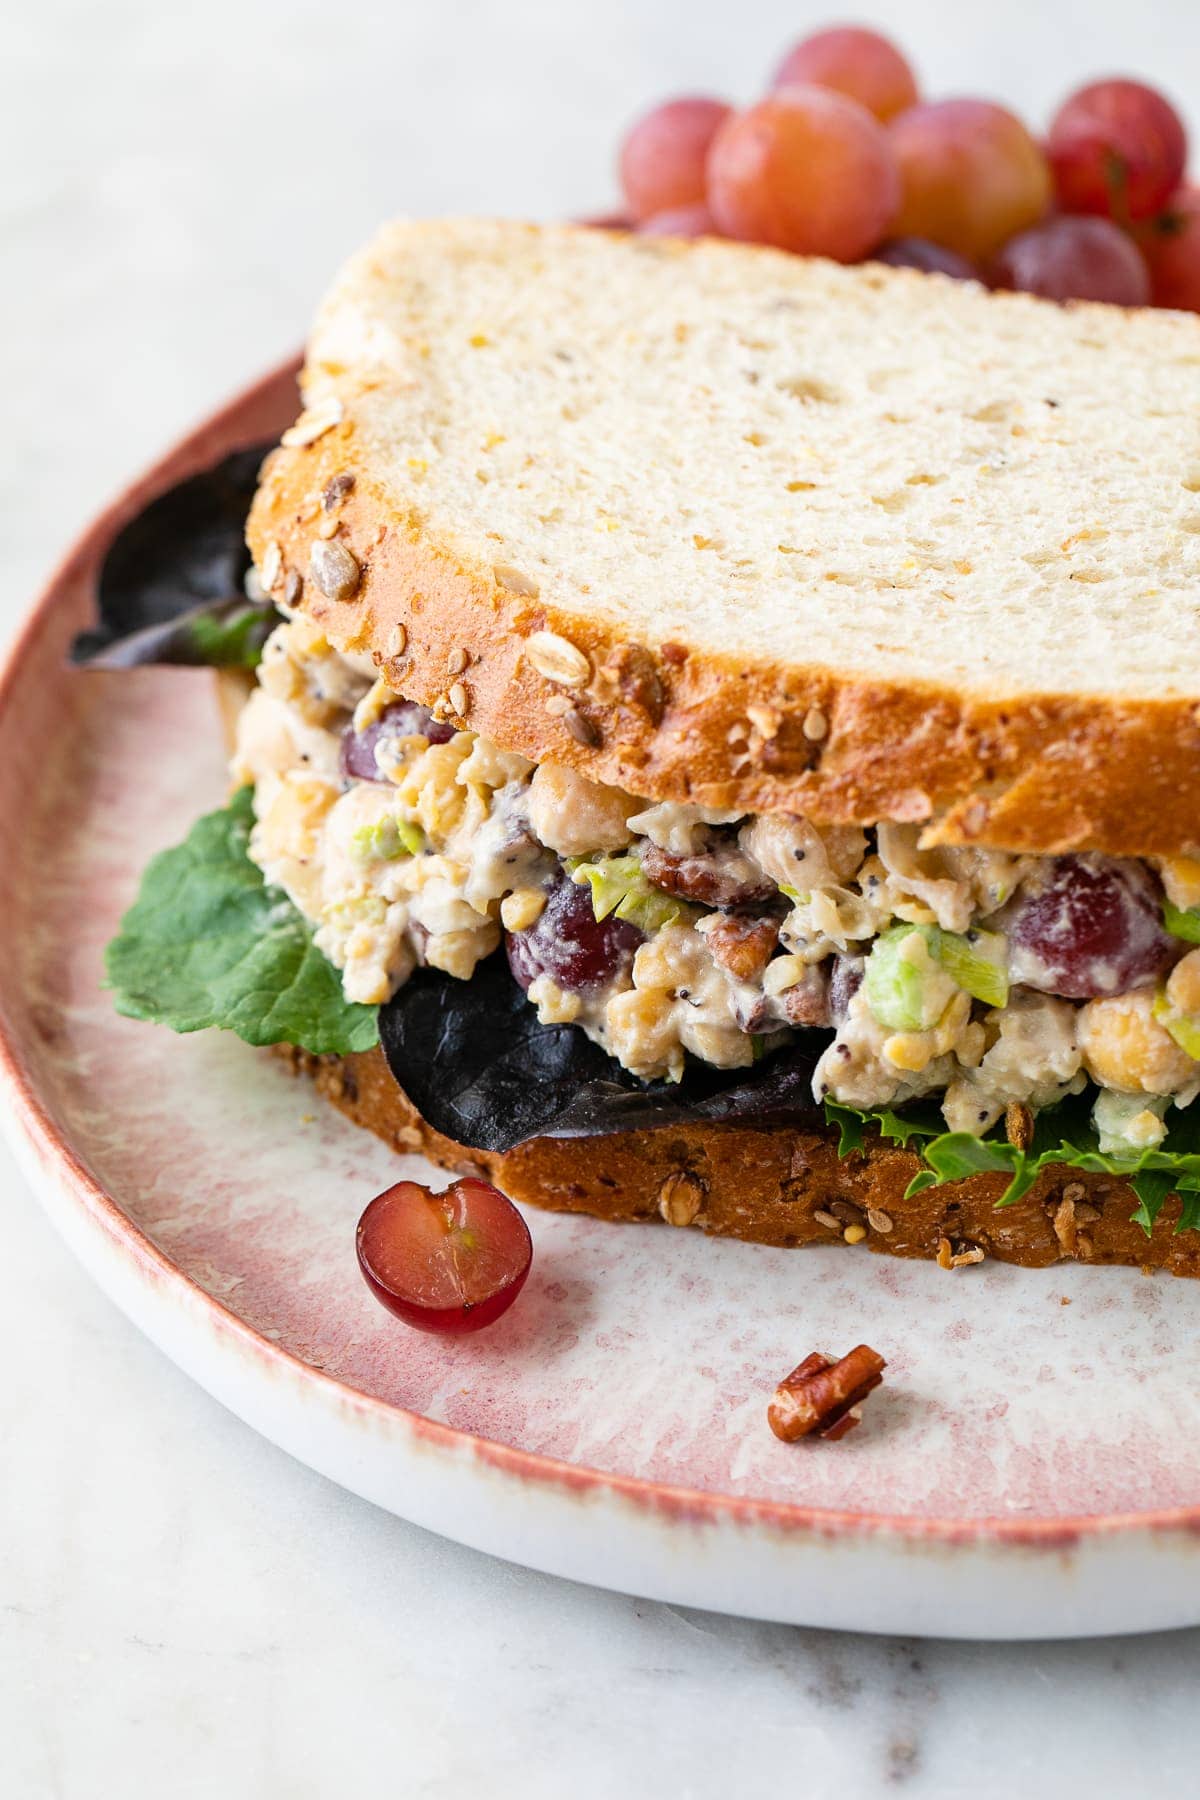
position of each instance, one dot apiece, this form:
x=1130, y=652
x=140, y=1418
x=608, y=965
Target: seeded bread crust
x=1063, y=773
x=1111, y=766
x=773, y=1185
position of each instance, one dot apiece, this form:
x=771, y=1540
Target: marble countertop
x=177, y=1596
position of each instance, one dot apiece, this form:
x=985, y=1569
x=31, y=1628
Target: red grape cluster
x=843, y=158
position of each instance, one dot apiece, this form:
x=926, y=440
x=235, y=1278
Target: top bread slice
x=719, y=524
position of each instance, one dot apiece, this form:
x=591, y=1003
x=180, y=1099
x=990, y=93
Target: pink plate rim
x=686, y=1504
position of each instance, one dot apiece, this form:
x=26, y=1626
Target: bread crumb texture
x=905, y=475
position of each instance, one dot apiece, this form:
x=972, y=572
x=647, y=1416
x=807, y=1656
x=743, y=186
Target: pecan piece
x=742, y=945
x=820, y=1398
x=720, y=877
x=807, y=1001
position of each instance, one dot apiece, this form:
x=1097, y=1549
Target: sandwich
x=727, y=747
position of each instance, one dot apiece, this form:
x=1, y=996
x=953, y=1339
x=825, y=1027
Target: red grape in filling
x=845, y=980
x=579, y=952
x=1085, y=926
x=403, y=718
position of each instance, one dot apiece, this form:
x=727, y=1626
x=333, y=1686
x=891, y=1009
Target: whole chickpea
x=1125, y=1047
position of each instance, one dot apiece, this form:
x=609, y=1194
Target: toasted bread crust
x=770, y=1185
x=1044, y=774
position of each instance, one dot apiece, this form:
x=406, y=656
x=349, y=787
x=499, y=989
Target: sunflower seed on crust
x=334, y=569
x=582, y=729
x=336, y=489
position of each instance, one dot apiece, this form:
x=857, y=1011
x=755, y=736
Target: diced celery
x=1183, y=1027
x=978, y=963
x=388, y=839
x=1182, y=924
x=619, y=887
x=897, y=980
x=609, y=879
x=899, y=990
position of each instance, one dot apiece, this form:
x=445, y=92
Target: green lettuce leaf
x=1062, y=1135
x=208, y=943
x=897, y=1128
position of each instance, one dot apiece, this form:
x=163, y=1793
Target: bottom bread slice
x=776, y=1185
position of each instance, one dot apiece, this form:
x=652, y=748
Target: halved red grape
x=1117, y=148
x=663, y=154
x=404, y=718
x=449, y=1262
x=856, y=62
x=805, y=170
x=1171, y=245
x=931, y=259
x=680, y=221
x=1075, y=258
x=579, y=952
x=1085, y=926
x=971, y=176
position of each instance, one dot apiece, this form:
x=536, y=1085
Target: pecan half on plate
x=821, y=1398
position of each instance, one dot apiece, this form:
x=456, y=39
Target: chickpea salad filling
x=974, y=980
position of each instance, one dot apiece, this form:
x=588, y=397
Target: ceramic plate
x=1030, y=1468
